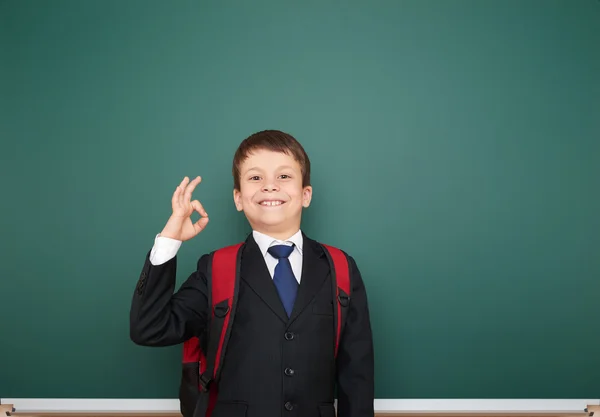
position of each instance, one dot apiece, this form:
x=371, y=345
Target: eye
x=285, y=176
x=254, y=178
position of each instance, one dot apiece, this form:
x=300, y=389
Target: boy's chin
x=273, y=223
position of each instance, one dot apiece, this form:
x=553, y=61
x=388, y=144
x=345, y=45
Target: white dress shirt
x=264, y=242
x=165, y=249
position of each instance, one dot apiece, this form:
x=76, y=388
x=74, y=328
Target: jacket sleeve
x=159, y=317
x=355, y=361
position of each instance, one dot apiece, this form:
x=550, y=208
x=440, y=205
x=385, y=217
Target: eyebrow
x=260, y=169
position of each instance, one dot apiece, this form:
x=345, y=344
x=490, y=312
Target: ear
x=306, y=196
x=237, y=199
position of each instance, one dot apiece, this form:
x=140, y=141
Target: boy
x=279, y=360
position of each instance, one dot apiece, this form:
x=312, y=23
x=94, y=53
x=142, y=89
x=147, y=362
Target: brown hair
x=272, y=140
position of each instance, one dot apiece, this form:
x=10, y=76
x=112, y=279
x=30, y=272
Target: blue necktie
x=283, y=278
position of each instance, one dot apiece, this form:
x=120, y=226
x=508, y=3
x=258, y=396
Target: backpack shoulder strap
x=223, y=283
x=224, y=274
x=340, y=273
x=223, y=286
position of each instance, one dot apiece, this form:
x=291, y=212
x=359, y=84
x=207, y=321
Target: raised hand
x=180, y=224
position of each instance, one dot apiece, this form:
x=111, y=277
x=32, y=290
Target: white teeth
x=271, y=203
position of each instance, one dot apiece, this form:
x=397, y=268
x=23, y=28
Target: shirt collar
x=264, y=242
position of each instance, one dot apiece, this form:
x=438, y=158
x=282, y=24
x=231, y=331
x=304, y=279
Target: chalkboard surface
x=455, y=151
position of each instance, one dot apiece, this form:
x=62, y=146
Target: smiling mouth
x=271, y=203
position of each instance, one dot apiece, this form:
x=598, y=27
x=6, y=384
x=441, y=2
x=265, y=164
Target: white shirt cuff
x=164, y=249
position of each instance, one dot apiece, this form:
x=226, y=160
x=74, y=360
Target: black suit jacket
x=274, y=366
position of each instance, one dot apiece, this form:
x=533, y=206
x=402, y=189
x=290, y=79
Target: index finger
x=199, y=208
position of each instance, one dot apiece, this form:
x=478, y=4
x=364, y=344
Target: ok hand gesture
x=180, y=226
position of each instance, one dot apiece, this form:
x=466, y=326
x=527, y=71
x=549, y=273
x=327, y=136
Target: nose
x=270, y=185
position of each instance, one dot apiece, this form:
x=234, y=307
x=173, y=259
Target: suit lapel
x=315, y=269
x=256, y=274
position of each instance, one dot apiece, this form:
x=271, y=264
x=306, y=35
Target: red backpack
x=202, y=357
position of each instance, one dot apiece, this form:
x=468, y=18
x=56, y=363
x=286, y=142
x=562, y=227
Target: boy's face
x=271, y=193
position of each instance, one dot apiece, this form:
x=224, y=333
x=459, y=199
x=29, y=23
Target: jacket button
x=289, y=406
x=289, y=372
x=289, y=336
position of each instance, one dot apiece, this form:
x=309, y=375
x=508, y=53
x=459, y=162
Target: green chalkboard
x=455, y=151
